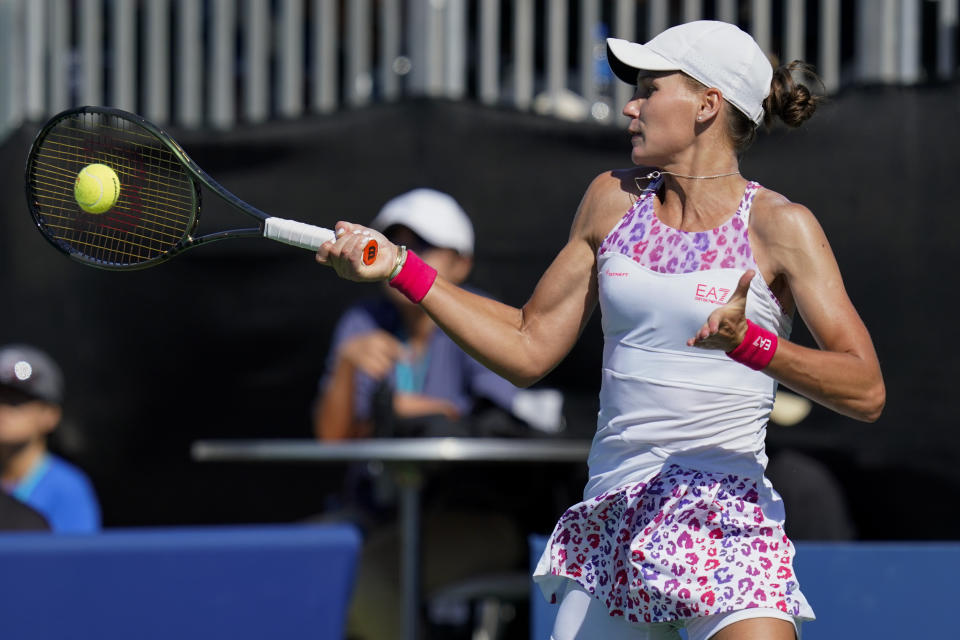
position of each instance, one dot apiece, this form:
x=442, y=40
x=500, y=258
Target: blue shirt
x=445, y=372
x=62, y=493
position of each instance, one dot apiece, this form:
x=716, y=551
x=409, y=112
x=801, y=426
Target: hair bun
x=791, y=100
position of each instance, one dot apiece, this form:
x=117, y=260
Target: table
x=405, y=457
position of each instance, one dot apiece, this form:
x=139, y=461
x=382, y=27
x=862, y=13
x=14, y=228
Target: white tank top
x=660, y=400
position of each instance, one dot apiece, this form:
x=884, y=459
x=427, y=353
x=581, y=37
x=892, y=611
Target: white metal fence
x=220, y=63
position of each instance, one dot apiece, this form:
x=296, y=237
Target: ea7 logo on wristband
x=757, y=349
x=714, y=295
x=764, y=344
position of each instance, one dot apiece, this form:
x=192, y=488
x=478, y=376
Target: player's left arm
x=844, y=373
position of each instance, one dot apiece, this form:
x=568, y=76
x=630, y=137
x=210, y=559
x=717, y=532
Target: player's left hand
x=727, y=326
x=346, y=253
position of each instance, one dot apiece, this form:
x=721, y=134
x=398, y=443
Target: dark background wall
x=228, y=341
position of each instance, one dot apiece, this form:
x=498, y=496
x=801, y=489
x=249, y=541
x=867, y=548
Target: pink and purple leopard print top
x=641, y=236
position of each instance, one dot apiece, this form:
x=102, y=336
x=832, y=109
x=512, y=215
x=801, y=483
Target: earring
x=699, y=118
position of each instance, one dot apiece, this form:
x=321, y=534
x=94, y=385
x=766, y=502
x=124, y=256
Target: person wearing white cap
x=391, y=372
x=699, y=273
x=397, y=341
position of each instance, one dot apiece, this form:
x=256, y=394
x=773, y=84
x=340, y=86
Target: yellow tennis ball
x=97, y=188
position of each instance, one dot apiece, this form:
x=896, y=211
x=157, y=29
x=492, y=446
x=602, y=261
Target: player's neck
x=700, y=205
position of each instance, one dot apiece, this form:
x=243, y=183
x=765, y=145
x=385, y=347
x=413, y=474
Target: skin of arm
x=525, y=344
x=844, y=373
x=522, y=345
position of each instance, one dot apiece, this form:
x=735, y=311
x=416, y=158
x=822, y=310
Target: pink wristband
x=415, y=278
x=757, y=348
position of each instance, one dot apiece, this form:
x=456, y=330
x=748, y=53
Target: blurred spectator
x=31, y=394
x=392, y=343
x=16, y=516
x=391, y=372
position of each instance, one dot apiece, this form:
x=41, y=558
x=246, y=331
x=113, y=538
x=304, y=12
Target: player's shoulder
x=623, y=184
x=610, y=195
x=775, y=217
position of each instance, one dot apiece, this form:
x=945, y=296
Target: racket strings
x=156, y=209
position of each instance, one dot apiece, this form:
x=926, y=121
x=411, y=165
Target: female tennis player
x=698, y=273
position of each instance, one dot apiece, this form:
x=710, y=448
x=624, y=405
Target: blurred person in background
x=17, y=516
x=388, y=346
x=31, y=396
x=698, y=272
x=392, y=373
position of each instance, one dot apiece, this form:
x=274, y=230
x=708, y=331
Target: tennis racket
x=157, y=211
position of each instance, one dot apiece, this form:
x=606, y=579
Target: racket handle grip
x=298, y=234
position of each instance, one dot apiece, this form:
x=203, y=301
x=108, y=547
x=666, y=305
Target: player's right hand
x=346, y=253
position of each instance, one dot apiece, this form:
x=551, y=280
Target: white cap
x=717, y=54
x=434, y=216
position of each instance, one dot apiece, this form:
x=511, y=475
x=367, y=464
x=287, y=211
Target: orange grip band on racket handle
x=370, y=252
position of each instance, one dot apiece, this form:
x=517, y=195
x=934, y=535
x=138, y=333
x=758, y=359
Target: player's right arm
x=524, y=344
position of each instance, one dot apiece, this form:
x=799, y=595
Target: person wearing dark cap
x=31, y=395
x=699, y=273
